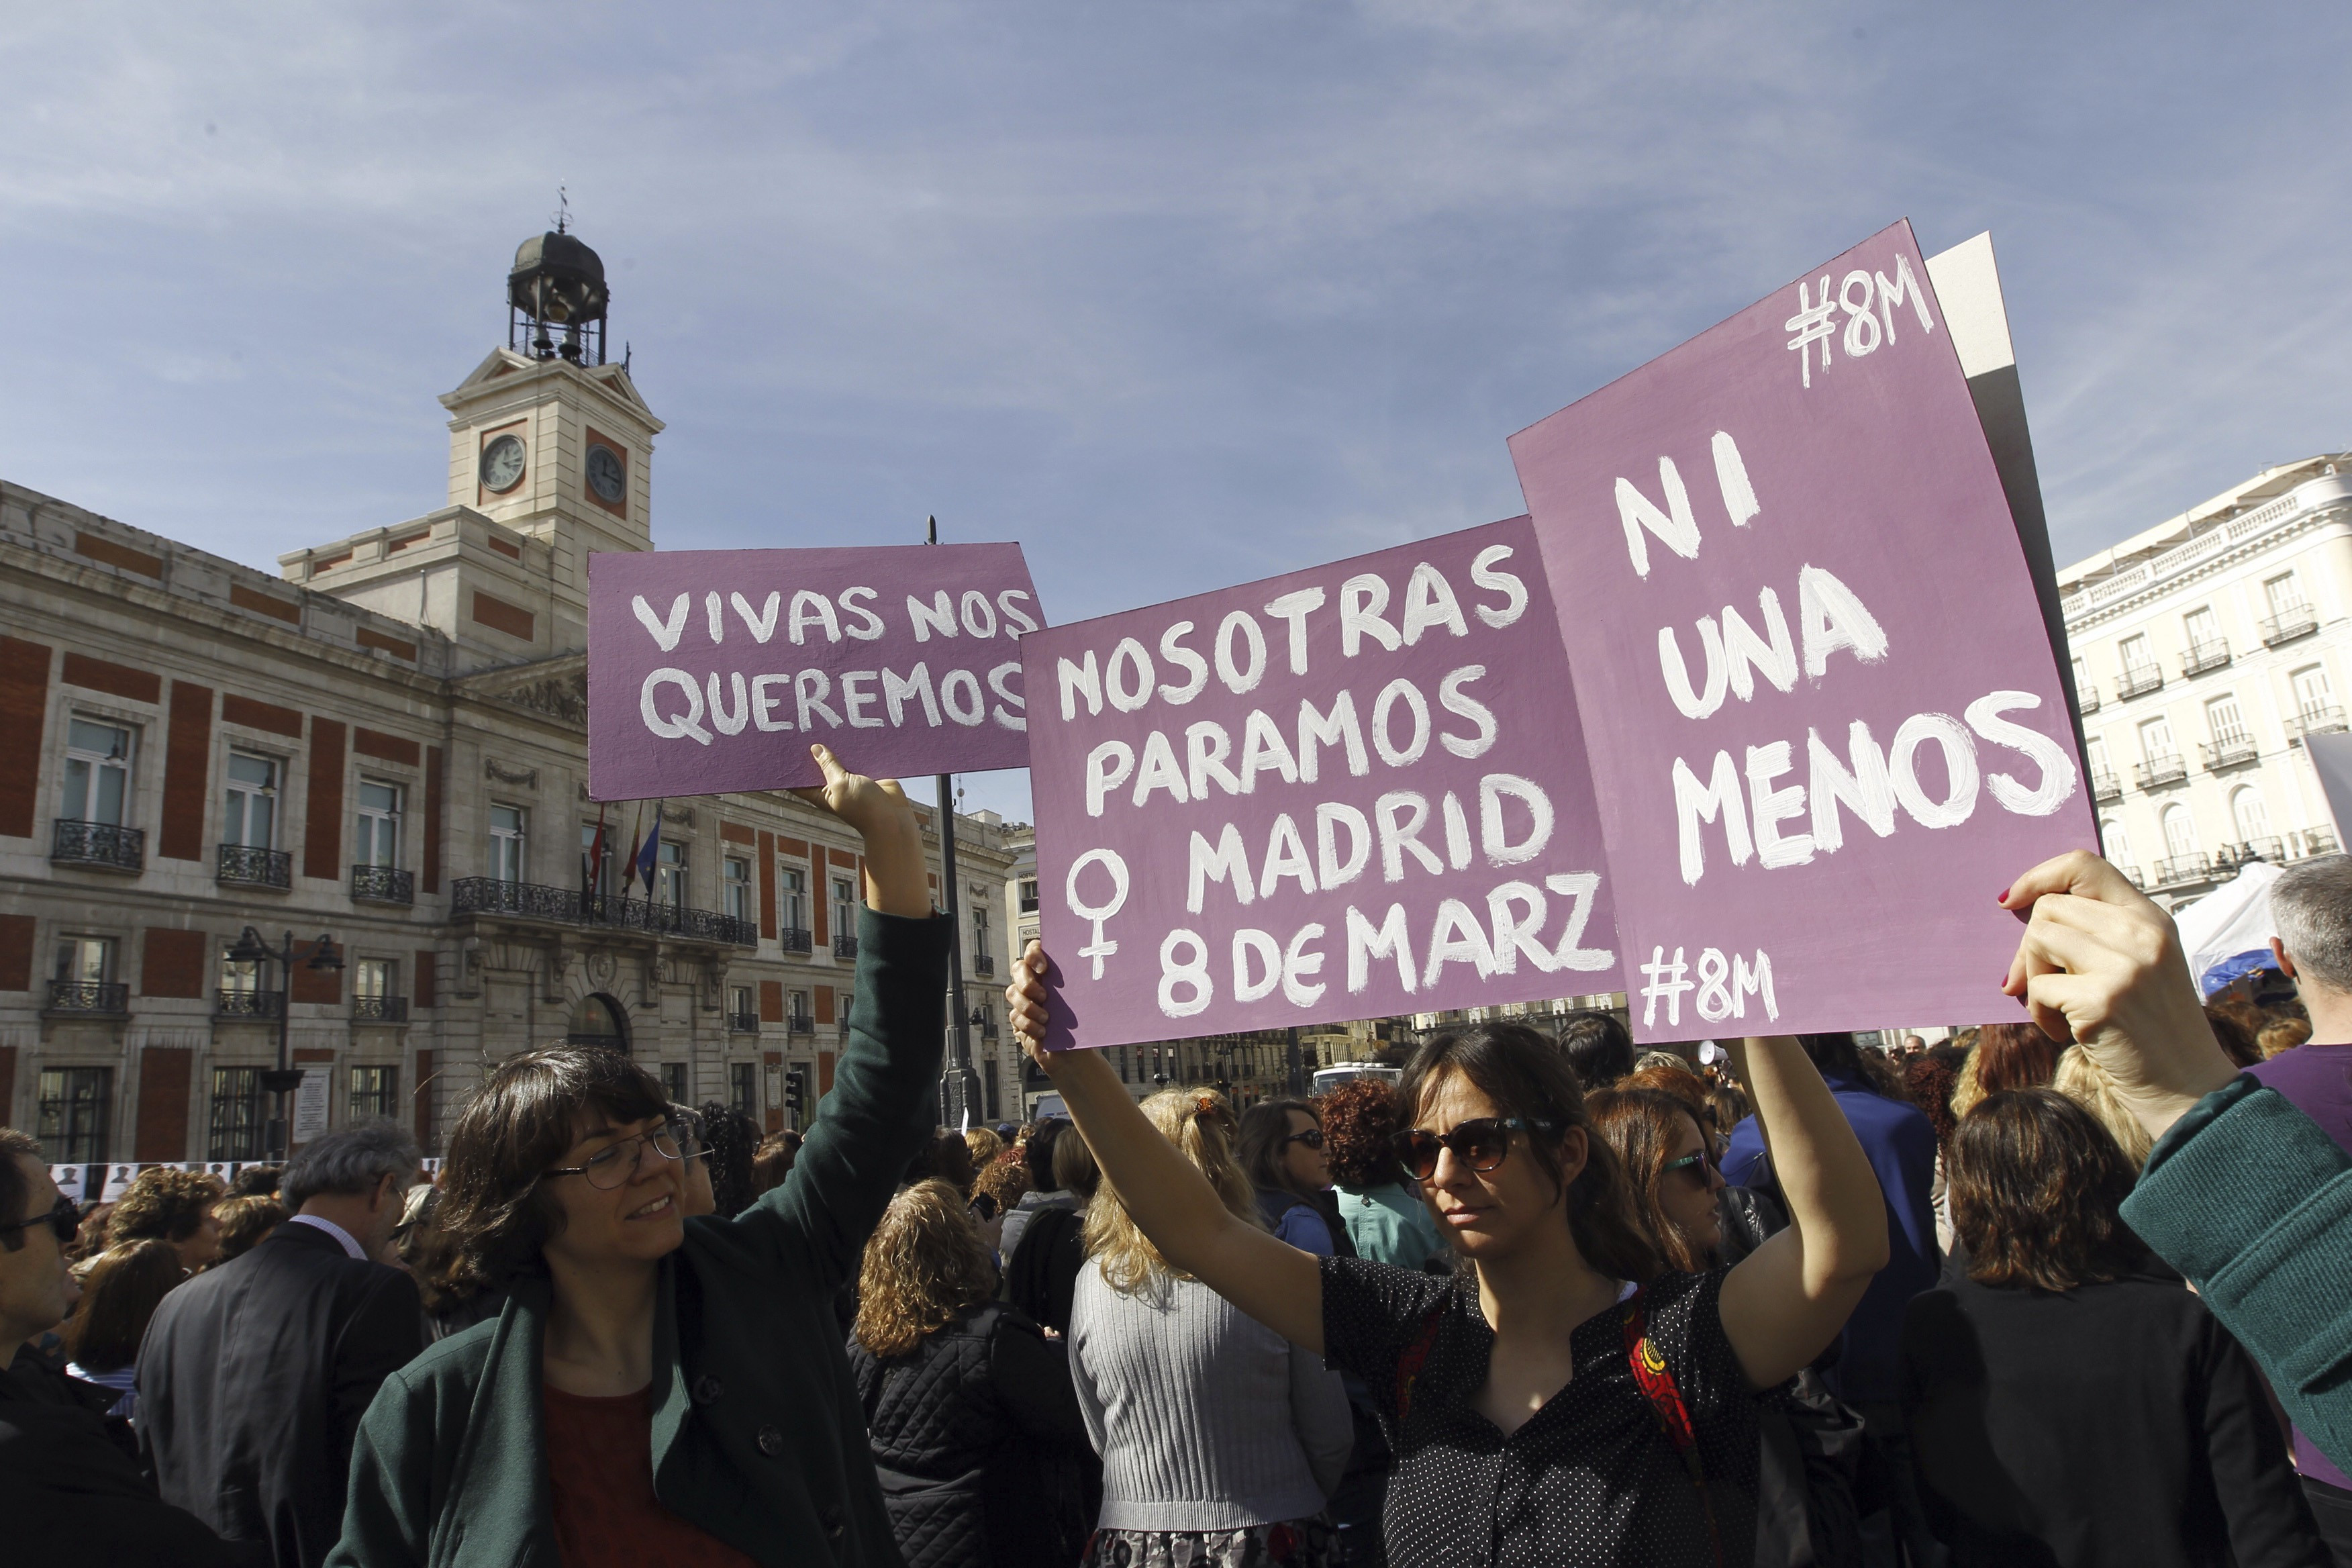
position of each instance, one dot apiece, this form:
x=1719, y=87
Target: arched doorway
x=598, y=1020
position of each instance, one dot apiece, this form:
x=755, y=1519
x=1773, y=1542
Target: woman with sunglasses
x=658, y=1389
x=1282, y=1150
x=1568, y=1399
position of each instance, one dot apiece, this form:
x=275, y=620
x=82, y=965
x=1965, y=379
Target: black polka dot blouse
x=1590, y=1479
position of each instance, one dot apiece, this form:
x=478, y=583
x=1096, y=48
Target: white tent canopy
x=2232, y=919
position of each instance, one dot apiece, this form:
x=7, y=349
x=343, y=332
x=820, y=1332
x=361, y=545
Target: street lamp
x=284, y=1080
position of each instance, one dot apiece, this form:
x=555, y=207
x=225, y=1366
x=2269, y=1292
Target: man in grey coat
x=254, y=1376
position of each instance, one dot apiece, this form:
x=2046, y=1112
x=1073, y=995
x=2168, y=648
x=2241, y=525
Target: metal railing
x=93, y=998
x=2138, y=680
x=800, y=1024
x=2229, y=752
x=2086, y=698
x=2318, y=841
x=383, y=885
x=486, y=895
x=379, y=1009
x=251, y=866
x=2321, y=721
x=984, y=965
x=2204, y=655
x=2158, y=771
x=2176, y=869
x=742, y=1023
x=2267, y=847
x=103, y=845
x=2299, y=621
x=239, y=1002
x=988, y=1031
x=2105, y=785
x=844, y=945
x=2132, y=875
x=794, y=939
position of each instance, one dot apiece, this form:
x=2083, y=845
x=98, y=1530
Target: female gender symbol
x=1098, y=949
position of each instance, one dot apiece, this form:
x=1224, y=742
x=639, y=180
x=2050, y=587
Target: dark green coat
x=758, y=1434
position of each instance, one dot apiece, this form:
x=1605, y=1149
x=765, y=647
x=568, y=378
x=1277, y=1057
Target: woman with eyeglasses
x=1572, y=1399
x=1220, y=1443
x=661, y=1389
x=1282, y=1152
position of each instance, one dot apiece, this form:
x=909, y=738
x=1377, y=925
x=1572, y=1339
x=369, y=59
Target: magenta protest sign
x=713, y=670
x=1822, y=714
x=1345, y=792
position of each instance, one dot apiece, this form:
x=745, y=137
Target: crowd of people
x=2066, y=1288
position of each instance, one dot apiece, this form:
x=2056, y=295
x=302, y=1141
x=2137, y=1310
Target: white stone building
x=2205, y=649
x=388, y=746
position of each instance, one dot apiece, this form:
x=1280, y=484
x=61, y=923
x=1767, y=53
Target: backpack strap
x=1409, y=1364
x=1657, y=1384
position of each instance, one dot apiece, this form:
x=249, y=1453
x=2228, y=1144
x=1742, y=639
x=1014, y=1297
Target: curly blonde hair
x=925, y=1267
x=1201, y=1126
x=2082, y=1079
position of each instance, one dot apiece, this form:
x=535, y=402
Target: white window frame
x=385, y=821
x=509, y=846
x=239, y=795
x=95, y=763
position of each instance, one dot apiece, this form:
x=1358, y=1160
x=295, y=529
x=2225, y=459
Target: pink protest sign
x=1824, y=717
x=1345, y=792
x=713, y=670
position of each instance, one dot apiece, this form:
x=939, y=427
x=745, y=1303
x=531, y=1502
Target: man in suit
x=254, y=1376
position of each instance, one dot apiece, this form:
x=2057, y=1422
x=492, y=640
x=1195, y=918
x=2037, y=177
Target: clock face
x=604, y=473
x=502, y=462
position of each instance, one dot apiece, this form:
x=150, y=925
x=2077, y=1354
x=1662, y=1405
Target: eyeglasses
x=610, y=1169
x=1312, y=1138
x=1480, y=1144
x=64, y=1218
x=1698, y=1164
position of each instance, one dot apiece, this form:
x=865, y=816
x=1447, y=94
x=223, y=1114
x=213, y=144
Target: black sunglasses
x=64, y=1217
x=1480, y=1144
x=1312, y=1138
x=1698, y=1164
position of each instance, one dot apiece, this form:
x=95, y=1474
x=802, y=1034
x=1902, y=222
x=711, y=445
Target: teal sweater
x=758, y=1436
x=2252, y=1201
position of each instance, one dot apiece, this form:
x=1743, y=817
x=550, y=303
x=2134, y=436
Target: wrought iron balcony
x=89, y=998
x=988, y=1031
x=251, y=866
x=2159, y=771
x=2204, y=655
x=2174, y=869
x=2269, y=848
x=742, y=1023
x=2321, y=721
x=2318, y=841
x=2086, y=698
x=2132, y=875
x=102, y=845
x=383, y=885
x=844, y=945
x=984, y=965
x=793, y=938
x=800, y=1024
x=240, y=1002
x=2300, y=621
x=2105, y=786
x=379, y=1009
x=2229, y=752
x=2138, y=680
x=564, y=906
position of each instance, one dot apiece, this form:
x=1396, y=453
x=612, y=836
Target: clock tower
x=550, y=458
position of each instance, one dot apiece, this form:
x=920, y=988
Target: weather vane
x=562, y=209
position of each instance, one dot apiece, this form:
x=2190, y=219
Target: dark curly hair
x=164, y=1205
x=1360, y=1121
x=734, y=1141
x=1526, y=1075
x=2037, y=1187
x=1931, y=1077
x=518, y=1126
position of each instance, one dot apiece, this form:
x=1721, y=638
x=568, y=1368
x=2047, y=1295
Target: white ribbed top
x=1204, y=1419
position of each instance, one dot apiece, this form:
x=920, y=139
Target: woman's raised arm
x=1169, y=1201
x=1786, y=1299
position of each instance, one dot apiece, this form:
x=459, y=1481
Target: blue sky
x=1178, y=295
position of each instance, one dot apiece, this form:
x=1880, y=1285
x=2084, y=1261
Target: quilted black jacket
x=975, y=1437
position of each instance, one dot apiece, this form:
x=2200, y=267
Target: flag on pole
x=647, y=855
x=592, y=861
x=637, y=837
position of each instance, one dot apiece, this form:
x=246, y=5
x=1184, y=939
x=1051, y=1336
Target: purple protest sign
x=713, y=670
x=1824, y=717
x=1345, y=792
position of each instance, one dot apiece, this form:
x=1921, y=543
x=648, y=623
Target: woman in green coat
x=656, y=1389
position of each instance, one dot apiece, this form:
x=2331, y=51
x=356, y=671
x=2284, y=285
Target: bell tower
x=547, y=435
